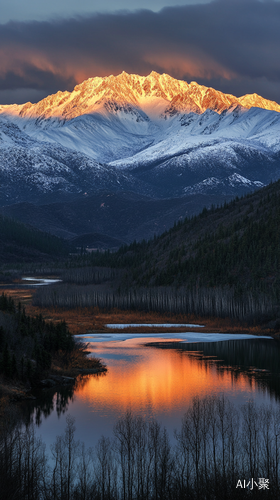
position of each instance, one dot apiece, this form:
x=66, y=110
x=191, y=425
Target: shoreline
x=94, y=320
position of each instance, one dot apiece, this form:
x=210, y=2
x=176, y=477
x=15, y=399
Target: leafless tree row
x=216, y=454
x=219, y=301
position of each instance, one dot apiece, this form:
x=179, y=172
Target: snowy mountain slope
x=213, y=185
x=153, y=135
x=34, y=170
x=175, y=175
x=113, y=118
x=102, y=138
x=240, y=142
x=257, y=128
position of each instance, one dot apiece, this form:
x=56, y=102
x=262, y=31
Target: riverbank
x=36, y=353
x=74, y=363
x=65, y=368
x=64, y=372
x=94, y=320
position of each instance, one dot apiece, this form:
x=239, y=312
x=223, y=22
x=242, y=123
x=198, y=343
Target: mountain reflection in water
x=159, y=380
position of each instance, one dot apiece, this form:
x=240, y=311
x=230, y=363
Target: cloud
x=233, y=44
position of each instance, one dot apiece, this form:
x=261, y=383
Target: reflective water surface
x=158, y=377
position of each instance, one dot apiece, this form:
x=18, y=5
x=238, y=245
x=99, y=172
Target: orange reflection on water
x=161, y=380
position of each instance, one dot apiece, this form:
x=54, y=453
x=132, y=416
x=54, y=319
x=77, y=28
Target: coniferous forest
x=27, y=343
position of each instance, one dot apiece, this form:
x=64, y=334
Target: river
x=157, y=375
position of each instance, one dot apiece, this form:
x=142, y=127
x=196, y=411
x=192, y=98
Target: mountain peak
x=154, y=74
x=164, y=92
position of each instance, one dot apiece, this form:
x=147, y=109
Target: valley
x=140, y=288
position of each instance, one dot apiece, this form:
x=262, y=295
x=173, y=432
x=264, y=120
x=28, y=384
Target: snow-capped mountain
x=30, y=169
x=155, y=95
x=153, y=135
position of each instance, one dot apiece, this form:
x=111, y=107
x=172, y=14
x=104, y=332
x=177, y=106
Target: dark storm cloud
x=231, y=44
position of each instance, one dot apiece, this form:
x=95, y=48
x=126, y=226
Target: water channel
x=157, y=375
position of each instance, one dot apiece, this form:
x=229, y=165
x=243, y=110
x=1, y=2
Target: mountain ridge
x=124, y=88
x=155, y=136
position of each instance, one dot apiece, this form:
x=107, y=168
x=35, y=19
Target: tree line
x=220, y=453
x=203, y=301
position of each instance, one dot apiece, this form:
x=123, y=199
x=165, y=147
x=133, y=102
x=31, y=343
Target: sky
x=230, y=45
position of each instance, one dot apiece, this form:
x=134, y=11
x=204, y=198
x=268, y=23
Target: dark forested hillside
x=236, y=244
x=224, y=261
x=26, y=244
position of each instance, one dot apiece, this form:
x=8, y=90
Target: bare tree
x=85, y=486
x=250, y=437
x=65, y=453
x=106, y=470
x=124, y=431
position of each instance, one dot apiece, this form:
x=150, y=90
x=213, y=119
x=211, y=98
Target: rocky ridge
x=126, y=90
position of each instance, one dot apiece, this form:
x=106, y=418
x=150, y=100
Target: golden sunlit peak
x=155, y=74
x=168, y=96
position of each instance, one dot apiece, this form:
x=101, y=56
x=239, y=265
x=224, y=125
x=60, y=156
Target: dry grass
x=93, y=319
x=24, y=295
